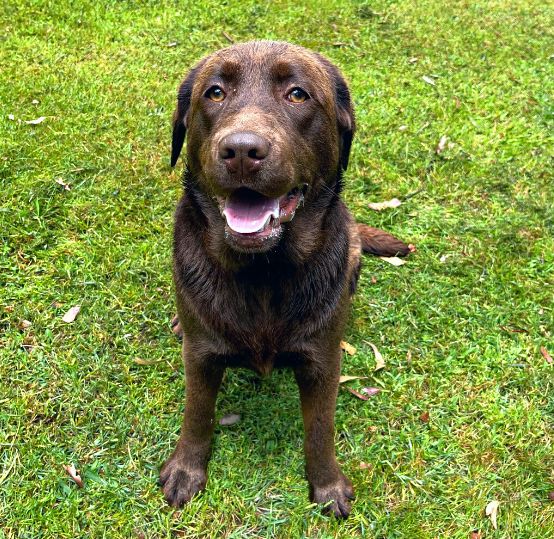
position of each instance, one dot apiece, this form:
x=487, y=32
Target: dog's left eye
x=215, y=93
x=297, y=95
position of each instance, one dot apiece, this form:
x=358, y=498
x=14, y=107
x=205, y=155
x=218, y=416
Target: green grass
x=105, y=77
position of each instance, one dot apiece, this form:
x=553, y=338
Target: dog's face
x=269, y=127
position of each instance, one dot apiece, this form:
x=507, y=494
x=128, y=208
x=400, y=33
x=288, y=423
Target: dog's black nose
x=243, y=152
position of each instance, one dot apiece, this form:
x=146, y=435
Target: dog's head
x=269, y=126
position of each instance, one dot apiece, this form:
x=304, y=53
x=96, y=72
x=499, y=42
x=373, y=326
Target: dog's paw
x=335, y=496
x=176, y=327
x=180, y=483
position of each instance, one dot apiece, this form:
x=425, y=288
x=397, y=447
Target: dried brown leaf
x=513, y=329
x=229, y=419
x=28, y=343
x=66, y=186
x=70, y=315
x=546, y=355
x=370, y=391
x=424, y=417
x=36, y=121
x=74, y=474
x=441, y=145
x=228, y=37
x=356, y=393
x=379, y=206
x=24, y=324
x=492, y=511
x=394, y=260
x=379, y=361
x=348, y=348
x=140, y=361
x=347, y=378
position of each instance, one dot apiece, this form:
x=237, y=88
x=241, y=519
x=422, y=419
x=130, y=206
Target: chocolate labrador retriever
x=266, y=254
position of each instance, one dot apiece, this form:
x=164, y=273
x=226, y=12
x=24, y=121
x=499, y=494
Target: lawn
x=465, y=414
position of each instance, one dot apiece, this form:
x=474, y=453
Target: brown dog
x=266, y=255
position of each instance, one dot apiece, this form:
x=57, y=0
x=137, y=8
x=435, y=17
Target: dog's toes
x=176, y=327
x=335, y=496
x=180, y=484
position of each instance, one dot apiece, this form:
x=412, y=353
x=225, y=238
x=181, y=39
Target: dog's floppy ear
x=345, y=112
x=345, y=118
x=180, y=115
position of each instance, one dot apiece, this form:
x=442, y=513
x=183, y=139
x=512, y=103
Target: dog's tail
x=380, y=243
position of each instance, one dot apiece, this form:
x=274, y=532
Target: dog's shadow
x=269, y=408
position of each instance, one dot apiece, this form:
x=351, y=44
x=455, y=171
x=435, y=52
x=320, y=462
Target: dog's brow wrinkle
x=230, y=69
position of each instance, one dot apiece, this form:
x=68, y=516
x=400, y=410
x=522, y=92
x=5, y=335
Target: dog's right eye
x=215, y=93
x=297, y=95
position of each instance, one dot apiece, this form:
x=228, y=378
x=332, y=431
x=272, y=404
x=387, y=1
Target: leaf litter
x=379, y=361
x=380, y=206
x=348, y=348
x=74, y=474
x=36, y=121
x=394, y=260
x=356, y=393
x=347, y=378
x=546, y=355
x=370, y=391
x=70, y=315
x=441, y=145
x=66, y=186
x=492, y=511
x=229, y=419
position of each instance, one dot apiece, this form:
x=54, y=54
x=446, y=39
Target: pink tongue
x=247, y=211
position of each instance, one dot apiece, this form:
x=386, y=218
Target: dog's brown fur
x=283, y=303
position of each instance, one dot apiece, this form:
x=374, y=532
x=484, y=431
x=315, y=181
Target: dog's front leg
x=184, y=473
x=318, y=384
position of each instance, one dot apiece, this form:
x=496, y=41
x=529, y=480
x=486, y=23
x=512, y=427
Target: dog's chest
x=253, y=328
x=255, y=322
x=257, y=319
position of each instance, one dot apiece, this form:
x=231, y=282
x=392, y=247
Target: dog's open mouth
x=250, y=214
